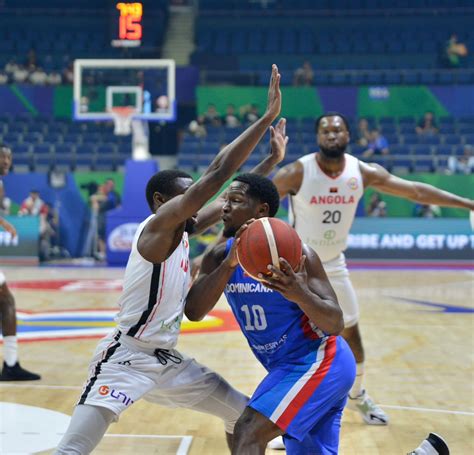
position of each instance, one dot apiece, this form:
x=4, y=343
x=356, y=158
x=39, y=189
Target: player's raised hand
x=278, y=140
x=292, y=284
x=231, y=258
x=274, y=94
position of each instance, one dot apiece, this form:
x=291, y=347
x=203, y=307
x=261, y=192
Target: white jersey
x=323, y=210
x=154, y=295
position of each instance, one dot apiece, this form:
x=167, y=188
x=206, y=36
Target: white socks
x=10, y=350
x=357, y=389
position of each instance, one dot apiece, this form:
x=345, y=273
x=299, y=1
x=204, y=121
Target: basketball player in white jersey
x=324, y=190
x=138, y=359
x=11, y=371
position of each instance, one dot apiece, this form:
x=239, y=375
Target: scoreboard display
x=128, y=26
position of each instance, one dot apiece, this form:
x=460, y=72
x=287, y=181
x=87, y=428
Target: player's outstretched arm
x=216, y=270
x=278, y=142
x=289, y=178
x=154, y=243
x=214, y=274
x=310, y=289
x=379, y=178
x=210, y=215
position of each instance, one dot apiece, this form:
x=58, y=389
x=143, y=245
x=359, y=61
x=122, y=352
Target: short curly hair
x=163, y=182
x=262, y=189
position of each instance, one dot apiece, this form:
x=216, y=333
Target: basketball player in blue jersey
x=290, y=321
x=12, y=370
x=138, y=359
x=324, y=189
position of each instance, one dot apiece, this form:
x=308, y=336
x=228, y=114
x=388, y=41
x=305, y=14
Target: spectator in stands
x=463, y=164
x=11, y=67
x=20, y=74
x=5, y=202
x=378, y=144
x=31, y=59
x=363, y=133
x=427, y=211
x=33, y=205
x=162, y=104
x=211, y=116
x=427, y=125
x=304, y=75
x=54, y=78
x=377, y=207
x=68, y=74
x=197, y=127
x=104, y=200
x=454, y=52
x=230, y=119
x=38, y=76
x=249, y=114
x=49, y=238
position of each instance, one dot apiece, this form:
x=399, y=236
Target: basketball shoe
x=17, y=373
x=432, y=445
x=370, y=412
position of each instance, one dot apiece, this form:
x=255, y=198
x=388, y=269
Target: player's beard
x=229, y=232
x=334, y=152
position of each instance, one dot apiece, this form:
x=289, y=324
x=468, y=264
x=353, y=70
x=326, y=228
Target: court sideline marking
x=391, y=406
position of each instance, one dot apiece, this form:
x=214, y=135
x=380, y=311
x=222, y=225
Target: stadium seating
x=408, y=151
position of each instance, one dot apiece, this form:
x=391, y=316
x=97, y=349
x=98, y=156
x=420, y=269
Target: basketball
x=263, y=242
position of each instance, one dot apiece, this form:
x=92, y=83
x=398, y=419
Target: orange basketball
x=263, y=242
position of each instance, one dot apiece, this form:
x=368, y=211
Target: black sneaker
x=17, y=373
x=438, y=443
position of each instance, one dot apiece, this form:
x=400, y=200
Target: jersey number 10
x=254, y=317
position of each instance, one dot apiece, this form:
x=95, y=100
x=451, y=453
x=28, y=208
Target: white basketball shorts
x=3, y=280
x=336, y=270
x=122, y=373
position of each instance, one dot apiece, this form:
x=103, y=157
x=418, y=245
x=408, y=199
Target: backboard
x=146, y=85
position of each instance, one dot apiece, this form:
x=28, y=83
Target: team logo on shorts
x=352, y=183
x=104, y=390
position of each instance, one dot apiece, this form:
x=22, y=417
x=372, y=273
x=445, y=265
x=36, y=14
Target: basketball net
x=122, y=116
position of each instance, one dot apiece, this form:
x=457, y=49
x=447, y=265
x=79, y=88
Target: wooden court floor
x=417, y=327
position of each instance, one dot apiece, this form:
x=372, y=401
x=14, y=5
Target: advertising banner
x=411, y=238
x=24, y=247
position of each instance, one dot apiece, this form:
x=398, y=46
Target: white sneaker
x=371, y=413
x=432, y=445
x=276, y=444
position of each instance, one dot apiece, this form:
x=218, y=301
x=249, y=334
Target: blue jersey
x=276, y=329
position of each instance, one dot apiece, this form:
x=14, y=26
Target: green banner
x=398, y=101
x=298, y=102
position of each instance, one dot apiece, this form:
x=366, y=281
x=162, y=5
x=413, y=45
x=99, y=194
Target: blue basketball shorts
x=306, y=397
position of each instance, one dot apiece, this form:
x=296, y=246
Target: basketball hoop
x=122, y=116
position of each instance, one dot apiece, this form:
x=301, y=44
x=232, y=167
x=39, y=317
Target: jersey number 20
x=332, y=217
x=254, y=317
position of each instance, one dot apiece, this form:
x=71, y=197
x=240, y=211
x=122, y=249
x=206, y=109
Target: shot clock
x=128, y=27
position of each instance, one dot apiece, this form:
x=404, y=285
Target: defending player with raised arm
x=212, y=213
x=324, y=189
x=12, y=370
x=139, y=359
x=289, y=320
